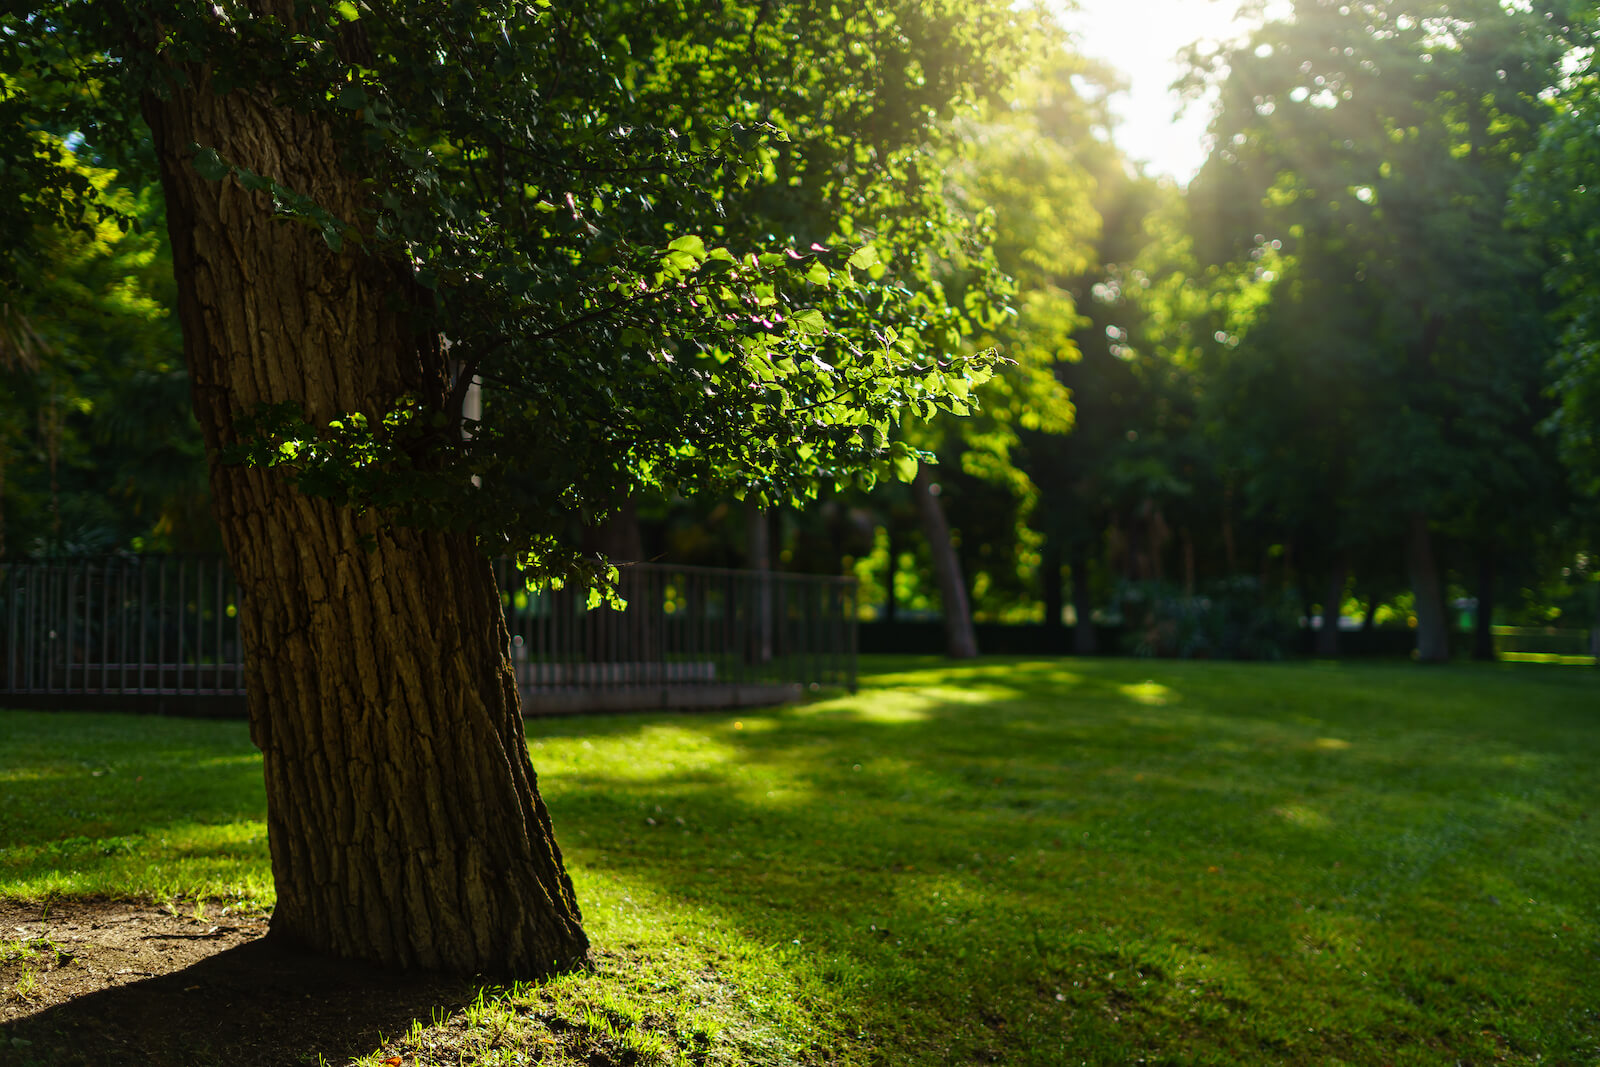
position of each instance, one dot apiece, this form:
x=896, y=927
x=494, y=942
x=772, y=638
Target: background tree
x=1027, y=177
x=1375, y=145
x=97, y=447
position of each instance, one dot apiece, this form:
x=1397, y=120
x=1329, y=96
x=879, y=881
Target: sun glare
x=1142, y=39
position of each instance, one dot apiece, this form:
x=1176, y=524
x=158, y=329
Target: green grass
x=1031, y=862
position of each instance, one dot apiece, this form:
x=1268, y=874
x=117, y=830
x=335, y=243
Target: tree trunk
x=1188, y=561
x=1483, y=618
x=1433, y=638
x=404, y=822
x=1084, y=640
x=1332, y=602
x=619, y=538
x=961, y=642
x=889, y=605
x=1050, y=580
x=1160, y=534
x=1229, y=550
x=758, y=559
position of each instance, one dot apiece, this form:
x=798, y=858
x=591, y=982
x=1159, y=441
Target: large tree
x=373, y=207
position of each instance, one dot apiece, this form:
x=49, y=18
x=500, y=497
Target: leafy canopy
x=678, y=246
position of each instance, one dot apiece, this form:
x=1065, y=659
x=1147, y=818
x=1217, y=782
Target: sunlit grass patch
x=1031, y=862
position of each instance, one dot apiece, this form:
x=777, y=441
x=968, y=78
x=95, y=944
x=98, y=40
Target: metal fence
x=691, y=636
x=1547, y=644
x=134, y=625
x=162, y=632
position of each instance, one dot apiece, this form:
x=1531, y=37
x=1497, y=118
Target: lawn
x=1017, y=861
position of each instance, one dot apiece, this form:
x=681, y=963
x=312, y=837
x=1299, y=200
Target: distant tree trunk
x=1188, y=560
x=1158, y=538
x=961, y=641
x=632, y=635
x=1229, y=550
x=1305, y=597
x=1132, y=529
x=1370, y=618
x=889, y=605
x=1483, y=621
x=619, y=538
x=1084, y=640
x=1433, y=638
x=1050, y=580
x=403, y=817
x=1328, y=637
x=758, y=559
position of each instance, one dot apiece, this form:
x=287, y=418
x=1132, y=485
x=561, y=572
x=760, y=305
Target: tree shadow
x=260, y=1004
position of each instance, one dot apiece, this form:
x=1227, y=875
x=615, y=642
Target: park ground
x=1021, y=862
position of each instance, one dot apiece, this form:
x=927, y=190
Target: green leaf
x=347, y=11
x=810, y=321
x=353, y=97
x=691, y=244
x=864, y=257
x=209, y=165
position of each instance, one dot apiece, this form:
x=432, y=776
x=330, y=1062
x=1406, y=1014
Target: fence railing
x=137, y=625
x=166, y=628
x=1546, y=644
x=690, y=635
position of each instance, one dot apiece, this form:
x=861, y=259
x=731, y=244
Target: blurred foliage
x=762, y=253
x=98, y=448
x=1232, y=619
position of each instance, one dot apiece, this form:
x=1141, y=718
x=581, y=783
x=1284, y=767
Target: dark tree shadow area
x=259, y=1004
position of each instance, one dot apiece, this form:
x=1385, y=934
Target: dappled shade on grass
x=1041, y=862
x=1109, y=861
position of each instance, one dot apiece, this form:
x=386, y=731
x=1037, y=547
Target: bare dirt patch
x=51, y=953
x=112, y=982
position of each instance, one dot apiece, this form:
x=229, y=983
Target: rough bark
x=1327, y=644
x=961, y=641
x=1433, y=638
x=404, y=821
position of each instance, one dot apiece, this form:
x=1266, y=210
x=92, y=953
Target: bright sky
x=1142, y=38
